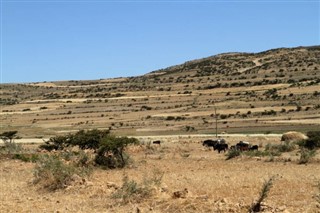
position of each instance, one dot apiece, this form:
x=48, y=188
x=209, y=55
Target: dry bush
x=131, y=191
x=12, y=148
x=306, y=155
x=276, y=149
x=233, y=153
x=54, y=173
x=256, y=206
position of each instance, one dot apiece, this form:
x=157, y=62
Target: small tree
x=313, y=141
x=89, y=139
x=56, y=143
x=111, y=151
x=84, y=139
x=8, y=136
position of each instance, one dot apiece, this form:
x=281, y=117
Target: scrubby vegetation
x=256, y=206
x=53, y=173
x=313, y=141
x=111, y=153
x=108, y=148
x=233, y=153
x=131, y=191
x=306, y=155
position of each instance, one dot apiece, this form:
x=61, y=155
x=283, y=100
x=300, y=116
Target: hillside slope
x=272, y=91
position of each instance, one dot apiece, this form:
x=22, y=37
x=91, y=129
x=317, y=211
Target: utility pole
x=215, y=113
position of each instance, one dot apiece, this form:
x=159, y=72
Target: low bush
x=233, y=153
x=306, y=155
x=258, y=153
x=53, y=173
x=284, y=147
x=131, y=191
x=26, y=157
x=12, y=148
x=313, y=141
x=108, y=149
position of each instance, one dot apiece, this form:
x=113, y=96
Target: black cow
x=157, y=142
x=221, y=147
x=209, y=143
x=243, y=146
x=254, y=147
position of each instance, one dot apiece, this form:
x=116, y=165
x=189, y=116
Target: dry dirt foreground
x=213, y=184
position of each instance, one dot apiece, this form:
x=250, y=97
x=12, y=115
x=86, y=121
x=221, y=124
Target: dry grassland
x=213, y=184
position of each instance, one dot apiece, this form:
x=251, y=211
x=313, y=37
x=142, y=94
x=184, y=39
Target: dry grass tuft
x=256, y=206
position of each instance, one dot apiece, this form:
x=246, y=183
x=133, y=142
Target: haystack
x=293, y=136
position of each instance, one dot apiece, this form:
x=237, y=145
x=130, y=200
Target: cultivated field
x=269, y=92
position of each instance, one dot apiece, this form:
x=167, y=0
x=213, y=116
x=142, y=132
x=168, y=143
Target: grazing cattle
x=254, y=147
x=209, y=143
x=157, y=142
x=221, y=147
x=243, y=146
x=221, y=141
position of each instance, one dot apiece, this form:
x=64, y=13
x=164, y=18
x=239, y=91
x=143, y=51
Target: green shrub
x=26, y=158
x=257, y=153
x=233, y=153
x=56, y=143
x=313, y=140
x=111, y=151
x=89, y=139
x=284, y=147
x=84, y=139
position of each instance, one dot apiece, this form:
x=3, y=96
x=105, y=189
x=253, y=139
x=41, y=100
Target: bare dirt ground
x=213, y=183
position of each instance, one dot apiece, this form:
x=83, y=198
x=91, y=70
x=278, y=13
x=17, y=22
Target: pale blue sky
x=77, y=40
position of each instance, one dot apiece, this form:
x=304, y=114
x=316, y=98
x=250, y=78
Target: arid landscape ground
x=213, y=183
x=240, y=96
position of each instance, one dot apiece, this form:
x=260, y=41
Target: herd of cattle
x=221, y=145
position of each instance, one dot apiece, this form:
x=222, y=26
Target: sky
x=51, y=40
